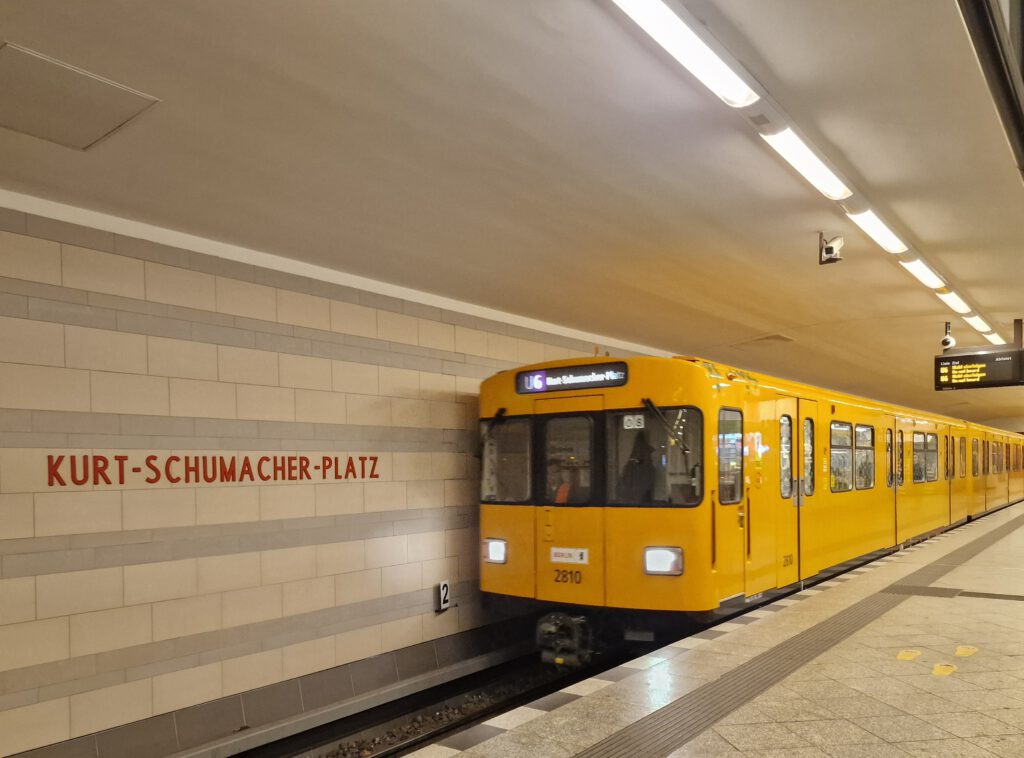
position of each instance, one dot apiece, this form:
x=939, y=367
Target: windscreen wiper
x=498, y=420
x=672, y=431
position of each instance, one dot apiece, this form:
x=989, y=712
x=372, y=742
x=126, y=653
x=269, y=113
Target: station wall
x=332, y=434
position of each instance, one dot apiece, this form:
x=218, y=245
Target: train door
x=760, y=502
x=805, y=489
x=782, y=485
x=729, y=499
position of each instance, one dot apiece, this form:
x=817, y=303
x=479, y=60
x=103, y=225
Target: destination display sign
x=995, y=369
x=571, y=378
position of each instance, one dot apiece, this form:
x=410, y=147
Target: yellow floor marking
x=908, y=655
x=963, y=651
x=943, y=669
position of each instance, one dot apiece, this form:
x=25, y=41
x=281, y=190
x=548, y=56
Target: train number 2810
x=564, y=576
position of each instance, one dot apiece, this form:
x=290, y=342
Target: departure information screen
x=961, y=372
x=571, y=378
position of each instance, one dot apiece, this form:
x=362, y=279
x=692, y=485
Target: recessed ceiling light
x=923, y=273
x=796, y=152
x=954, y=301
x=977, y=322
x=994, y=338
x=878, y=231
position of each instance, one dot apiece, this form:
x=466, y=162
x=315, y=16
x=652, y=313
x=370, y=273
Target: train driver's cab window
x=864, y=457
x=655, y=458
x=888, y=458
x=730, y=456
x=841, y=462
x=786, y=456
x=808, y=480
x=931, y=457
x=918, y=457
x=974, y=458
x=568, y=445
x=963, y=457
x=505, y=470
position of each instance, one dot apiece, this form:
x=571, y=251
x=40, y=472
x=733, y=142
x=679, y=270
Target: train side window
x=655, y=460
x=505, y=470
x=786, y=456
x=918, y=438
x=899, y=458
x=974, y=458
x=730, y=456
x=841, y=459
x=963, y=457
x=808, y=457
x=888, y=458
x=568, y=446
x=986, y=464
x=931, y=457
x=947, y=462
x=864, y=457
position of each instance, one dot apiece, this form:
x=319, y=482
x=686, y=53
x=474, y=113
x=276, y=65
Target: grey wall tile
x=383, y=302
x=415, y=660
x=15, y=421
x=126, y=304
x=209, y=264
x=75, y=686
x=151, y=251
x=34, y=545
x=81, y=747
x=205, y=317
x=158, y=425
x=71, y=313
x=222, y=335
x=48, y=563
x=326, y=687
x=125, y=658
x=19, y=699
x=373, y=673
x=45, y=674
x=421, y=311
x=105, y=539
x=210, y=427
x=206, y=722
x=282, y=344
x=43, y=291
x=159, y=326
x=292, y=429
x=109, y=441
x=82, y=423
x=264, y=327
x=12, y=221
x=273, y=703
x=32, y=439
x=72, y=234
x=153, y=736
x=319, y=335
x=335, y=352
x=15, y=306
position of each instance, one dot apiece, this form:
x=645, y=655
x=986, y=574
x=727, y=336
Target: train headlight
x=495, y=551
x=663, y=561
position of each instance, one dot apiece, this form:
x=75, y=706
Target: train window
x=505, y=470
x=568, y=442
x=963, y=457
x=931, y=457
x=946, y=457
x=808, y=457
x=974, y=458
x=841, y=462
x=918, y=457
x=655, y=459
x=888, y=458
x=730, y=456
x=986, y=464
x=864, y=457
x=899, y=458
x=786, y=456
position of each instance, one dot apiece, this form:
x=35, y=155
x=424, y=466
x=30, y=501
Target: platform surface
x=918, y=653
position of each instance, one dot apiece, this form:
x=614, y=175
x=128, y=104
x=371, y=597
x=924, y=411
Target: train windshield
x=505, y=474
x=654, y=460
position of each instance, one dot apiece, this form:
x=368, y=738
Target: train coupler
x=565, y=640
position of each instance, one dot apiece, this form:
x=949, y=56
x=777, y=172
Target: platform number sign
x=444, y=595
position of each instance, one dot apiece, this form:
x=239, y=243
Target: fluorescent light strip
x=796, y=152
x=923, y=273
x=954, y=301
x=669, y=31
x=977, y=322
x=879, y=232
x=994, y=338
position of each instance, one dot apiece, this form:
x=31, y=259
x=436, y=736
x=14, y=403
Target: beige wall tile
x=218, y=573
x=79, y=592
x=152, y=582
x=439, y=570
x=399, y=382
x=437, y=625
x=502, y=348
x=467, y=387
x=396, y=327
x=106, y=351
x=357, y=586
x=447, y=415
x=17, y=600
x=529, y=352
x=426, y=546
x=28, y=258
x=449, y=465
x=155, y=509
x=303, y=310
x=357, y=644
x=305, y=373
x=16, y=515
x=425, y=494
x=469, y=568
x=111, y=706
x=287, y=501
x=349, y=318
x=385, y=496
x=470, y=341
x=358, y=378
x=340, y=557
x=251, y=671
x=245, y=366
x=307, y=657
x=180, y=689
x=386, y=551
x=252, y=605
x=109, y=630
x=412, y=466
x=460, y=541
x=125, y=393
x=223, y=505
x=77, y=512
x=288, y=564
x=190, y=397
x=397, y=579
x=410, y=413
x=460, y=492
x=246, y=299
x=182, y=358
x=308, y=595
x=43, y=388
x=92, y=270
x=192, y=615
x=437, y=387
x=336, y=499
x=34, y=726
x=434, y=334
x=366, y=410
x=179, y=286
x=266, y=403
x=36, y=342
x=555, y=353
x=401, y=633
x=33, y=642
x=320, y=407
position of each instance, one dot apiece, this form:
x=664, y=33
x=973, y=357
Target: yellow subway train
x=678, y=484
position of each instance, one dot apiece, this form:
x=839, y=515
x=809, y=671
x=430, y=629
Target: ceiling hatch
x=45, y=98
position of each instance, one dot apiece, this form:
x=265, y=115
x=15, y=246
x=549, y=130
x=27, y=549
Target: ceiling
x=545, y=158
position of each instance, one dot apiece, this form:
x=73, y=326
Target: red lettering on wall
x=53, y=470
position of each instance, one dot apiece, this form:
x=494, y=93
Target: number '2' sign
x=444, y=599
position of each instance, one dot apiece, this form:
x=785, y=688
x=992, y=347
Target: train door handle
x=739, y=518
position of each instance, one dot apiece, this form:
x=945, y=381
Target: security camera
x=828, y=249
x=948, y=341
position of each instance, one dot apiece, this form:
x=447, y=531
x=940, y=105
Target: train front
x=592, y=494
